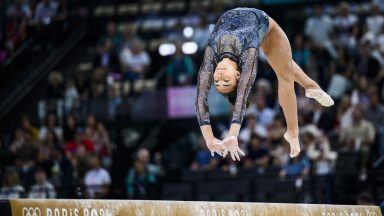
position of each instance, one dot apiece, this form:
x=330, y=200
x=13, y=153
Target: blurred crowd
x=341, y=47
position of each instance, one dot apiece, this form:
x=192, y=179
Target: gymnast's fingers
x=237, y=155
x=241, y=151
x=233, y=156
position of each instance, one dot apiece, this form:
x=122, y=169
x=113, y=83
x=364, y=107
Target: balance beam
x=57, y=207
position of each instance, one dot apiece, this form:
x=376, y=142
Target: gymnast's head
x=226, y=77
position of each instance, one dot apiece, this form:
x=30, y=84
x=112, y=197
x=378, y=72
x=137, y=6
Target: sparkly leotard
x=237, y=35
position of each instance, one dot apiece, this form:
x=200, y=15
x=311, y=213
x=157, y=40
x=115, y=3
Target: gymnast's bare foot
x=321, y=96
x=293, y=141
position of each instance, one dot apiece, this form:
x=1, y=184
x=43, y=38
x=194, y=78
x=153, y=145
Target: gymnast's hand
x=215, y=145
x=232, y=145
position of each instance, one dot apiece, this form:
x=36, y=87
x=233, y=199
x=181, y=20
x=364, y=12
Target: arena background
x=97, y=101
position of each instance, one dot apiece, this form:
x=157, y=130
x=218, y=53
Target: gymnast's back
x=237, y=30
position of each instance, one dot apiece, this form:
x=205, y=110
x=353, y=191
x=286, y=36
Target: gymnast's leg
x=279, y=55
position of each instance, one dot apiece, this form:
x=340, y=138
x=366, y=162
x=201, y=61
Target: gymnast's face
x=226, y=76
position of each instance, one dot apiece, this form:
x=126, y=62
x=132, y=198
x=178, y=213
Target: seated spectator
x=83, y=84
x=252, y=127
x=26, y=126
x=51, y=124
x=106, y=57
x=276, y=130
x=346, y=26
x=70, y=127
x=318, y=150
x=135, y=61
x=80, y=144
x=47, y=146
x=202, y=32
x=45, y=12
x=368, y=66
x=296, y=167
x=18, y=16
x=11, y=189
x=375, y=21
x=344, y=112
x=319, y=28
x=100, y=138
x=142, y=176
x=263, y=113
x=130, y=37
x=375, y=114
x=54, y=92
x=300, y=52
x=112, y=35
x=180, y=69
x=42, y=189
x=98, y=86
x=71, y=96
x=257, y=153
x=96, y=178
x=203, y=159
x=359, y=135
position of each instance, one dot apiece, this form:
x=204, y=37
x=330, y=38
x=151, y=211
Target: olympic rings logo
x=31, y=211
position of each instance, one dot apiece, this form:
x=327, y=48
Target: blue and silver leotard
x=237, y=35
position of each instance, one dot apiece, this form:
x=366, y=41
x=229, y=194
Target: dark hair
x=231, y=97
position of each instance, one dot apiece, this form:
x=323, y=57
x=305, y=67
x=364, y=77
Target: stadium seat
x=151, y=7
x=104, y=10
x=175, y=6
x=128, y=9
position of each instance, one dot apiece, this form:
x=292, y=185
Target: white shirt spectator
x=42, y=191
x=71, y=95
x=134, y=62
x=319, y=29
x=345, y=26
x=375, y=23
x=338, y=85
x=264, y=116
x=44, y=130
x=13, y=192
x=94, y=179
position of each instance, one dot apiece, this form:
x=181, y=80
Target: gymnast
x=230, y=62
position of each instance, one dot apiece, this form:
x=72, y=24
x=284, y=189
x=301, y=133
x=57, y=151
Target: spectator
x=100, y=138
x=70, y=127
x=55, y=89
x=375, y=114
x=106, y=57
x=252, y=127
x=201, y=33
x=71, y=96
x=300, y=53
x=47, y=147
x=319, y=28
x=112, y=36
x=130, y=37
x=203, y=159
x=18, y=16
x=83, y=84
x=344, y=112
x=359, y=94
x=375, y=21
x=135, y=61
x=346, y=26
x=143, y=176
x=264, y=114
x=257, y=153
x=51, y=124
x=79, y=145
x=96, y=178
x=11, y=189
x=296, y=167
x=359, y=136
x=98, y=86
x=276, y=130
x=180, y=69
x=42, y=189
x=367, y=65
x=27, y=127
x=45, y=12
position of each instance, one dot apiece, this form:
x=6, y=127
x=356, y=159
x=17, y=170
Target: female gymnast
x=230, y=62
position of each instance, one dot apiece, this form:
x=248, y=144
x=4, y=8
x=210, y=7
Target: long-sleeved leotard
x=237, y=36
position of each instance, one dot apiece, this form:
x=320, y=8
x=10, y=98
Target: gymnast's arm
x=205, y=77
x=248, y=67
